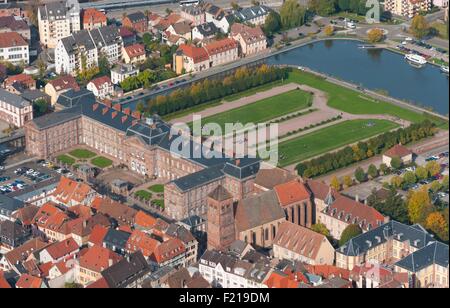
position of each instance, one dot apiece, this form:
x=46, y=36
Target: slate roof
x=249, y=13
x=242, y=168
x=56, y=118
x=207, y=29
x=74, y=98
x=433, y=253
x=13, y=99
x=9, y=205
x=220, y=194
x=96, y=38
x=34, y=95
x=417, y=236
x=136, y=17
x=116, y=238
x=126, y=271
x=57, y=10
x=258, y=210
x=200, y=178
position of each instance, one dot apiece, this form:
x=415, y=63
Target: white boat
x=415, y=59
x=444, y=69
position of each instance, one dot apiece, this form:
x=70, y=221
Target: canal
x=374, y=69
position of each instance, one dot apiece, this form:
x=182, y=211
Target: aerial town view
x=207, y=146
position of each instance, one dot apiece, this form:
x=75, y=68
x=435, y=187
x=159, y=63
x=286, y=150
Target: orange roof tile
x=169, y=250
x=292, y=192
x=3, y=283
x=65, y=82
x=197, y=54
x=28, y=282
x=135, y=50
x=63, y=248
x=144, y=220
x=328, y=271
x=139, y=241
x=98, y=259
x=97, y=235
x=93, y=16
x=221, y=46
x=99, y=284
x=398, y=150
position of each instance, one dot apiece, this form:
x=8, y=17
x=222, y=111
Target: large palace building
x=144, y=146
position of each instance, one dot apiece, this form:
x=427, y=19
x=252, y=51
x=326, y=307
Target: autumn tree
x=360, y=175
x=329, y=30
x=419, y=205
x=349, y=232
x=422, y=173
x=320, y=228
x=372, y=171
x=437, y=224
x=375, y=35
x=419, y=27
x=396, y=181
x=292, y=14
x=335, y=183
x=409, y=178
x=433, y=167
x=435, y=186
x=384, y=169
x=348, y=181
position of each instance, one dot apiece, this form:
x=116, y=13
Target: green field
x=158, y=188
x=143, y=194
x=330, y=138
x=356, y=103
x=82, y=154
x=264, y=110
x=101, y=162
x=65, y=159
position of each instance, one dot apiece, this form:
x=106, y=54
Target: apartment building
x=194, y=14
x=120, y=72
x=102, y=87
x=81, y=51
x=57, y=20
x=14, y=109
x=255, y=15
x=134, y=54
x=407, y=8
x=13, y=48
x=409, y=249
x=251, y=40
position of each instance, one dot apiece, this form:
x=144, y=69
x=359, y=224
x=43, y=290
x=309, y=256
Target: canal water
x=375, y=69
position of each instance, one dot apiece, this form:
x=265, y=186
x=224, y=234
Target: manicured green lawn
x=101, y=162
x=356, y=103
x=254, y=90
x=65, y=159
x=264, y=110
x=330, y=138
x=158, y=188
x=143, y=194
x=82, y=154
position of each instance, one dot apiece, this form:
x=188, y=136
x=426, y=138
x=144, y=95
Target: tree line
x=209, y=90
x=363, y=150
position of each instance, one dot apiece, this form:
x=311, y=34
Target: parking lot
x=29, y=174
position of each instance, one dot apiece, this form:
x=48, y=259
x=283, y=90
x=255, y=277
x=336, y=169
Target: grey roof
x=13, y=99
x=34, y=95
x=180, y=232
x=56, y=118
x=73, y=98
x=9, y=205
x=116, y=238
x=136, y=17
x=96, y=38
x=12, y=233
x=242, y=168
x=207, y=29
x=249, y=13
x=220, y=194
x=35, y=189
x=56, y=10
x=433, y=253
x=200, y=178
x=126, y=271
x=416, y=235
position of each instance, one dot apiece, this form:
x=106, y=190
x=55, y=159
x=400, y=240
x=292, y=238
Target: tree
x=409, y=178
x=422, y=173
x=344, y=5
x=393, y=205
x=419, y=27
x=445, y=183
x=42, y=68
x=419, y=205
x=72, y=285
x=103, y=65
x=322, y=7
x=292, y=14
x=147, y=39
x=329, y=30
x=360, y=175
x=320, y=228
x=372, y=171
x=273, y=23
x=433, y=167
x=384, y=169
x=348, y=181
x=235, y=6
x=40, y=107
x=350, y=232
x=375, y=35
x=435, y=186
x=396, y=181
x=335, y=183
x=438, y=225
x=396, y=162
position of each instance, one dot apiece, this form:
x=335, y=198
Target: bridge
x=122, y=4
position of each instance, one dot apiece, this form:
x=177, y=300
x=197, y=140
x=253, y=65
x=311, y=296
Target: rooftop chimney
x=117, y=107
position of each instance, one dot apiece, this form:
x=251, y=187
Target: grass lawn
x=264, y=110
x=330, y=138
x=159, y=203
x=252, y=91
x=143, y=194
x=441, y=29
x=101, y=162
x=356, y=103
x=65, y=159
x=192, y=110
x=158, y=189
x=82, y=154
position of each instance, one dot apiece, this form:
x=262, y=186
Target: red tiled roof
x=100, y=81
x=93, y=16
x=328, y=271
x=71, y=191
x=353, y=212
x=285, y=280
x=99, y=284
x=65, y=82
x=144, y=220
x=135, y=50
x=320, y=190
x=292, y=192
x=21, y=253
x=139, y=241
x=97, y=235
x=168, y=250
x=221, y=46
x=398, y=150
x=3, y=283
x=45, y=269
x=27, y=281
x=98, y=259
x=197, y=54
x=11, y=39
x=62, y=248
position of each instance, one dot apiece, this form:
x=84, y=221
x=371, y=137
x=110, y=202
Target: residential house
x=218, y=16
x=92, y=18
x=69, y=193
x=181, y=29
x=59, y=251
x=255, y=15
x=134, y=54
x=13, y=260
x=17, y=84
x=12, y=235
x=128, y=36
x=194, y=14
x=15, y=24
x=60, y=85
x=27, y=281
x=294, y=242
x=57, y=20
x=189, y=58
x=222, y=51
x=251, y=39
x=189, y=241
x=120, y=72
x=136, y=21
x=143, y=242
x=8, y=207
x=398, y=151
x=171, y=252
x=116, y=240
x=407, y=8
x=14, y=109
x=205, y=31
x=102, y=87
x=14, y=49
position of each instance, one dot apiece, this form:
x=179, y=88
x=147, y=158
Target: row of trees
x=328, y=7
x=291, y=15
x=209, y=90
x=363, y=150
